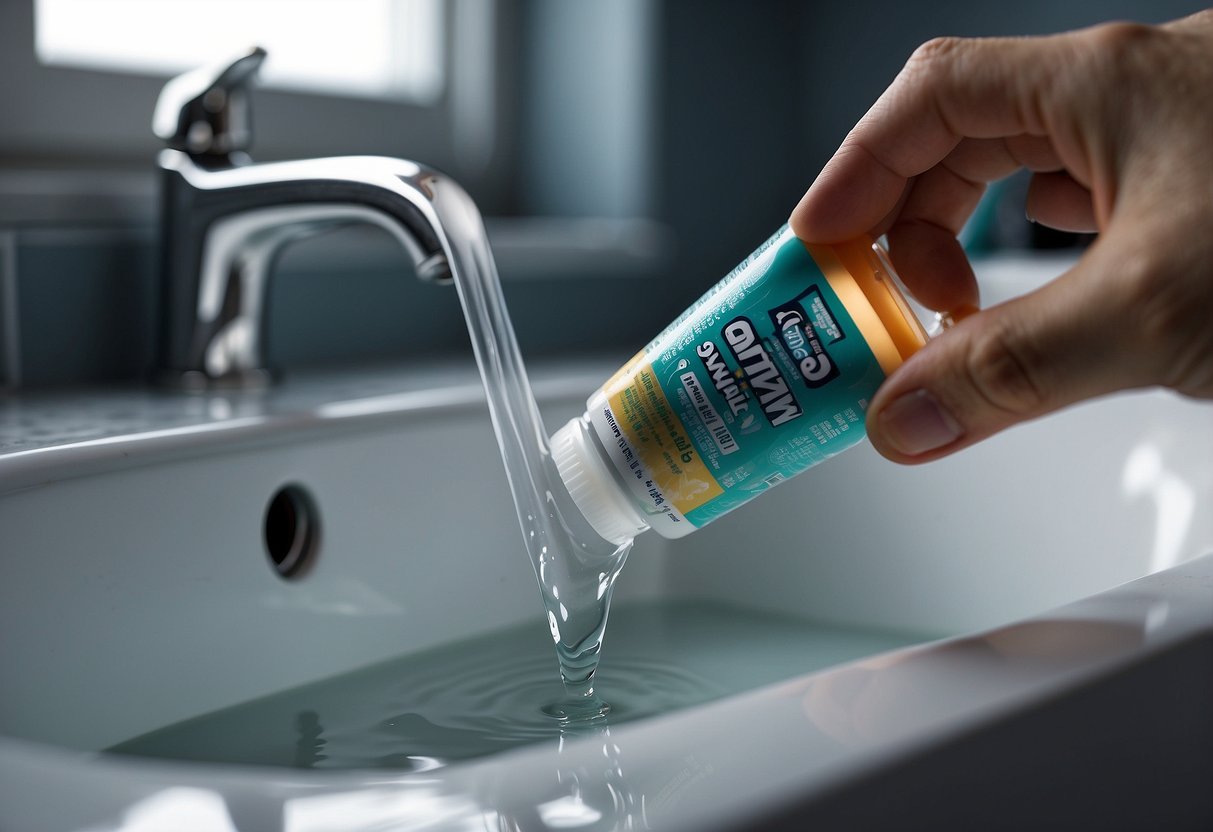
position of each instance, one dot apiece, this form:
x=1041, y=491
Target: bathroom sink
x=999, y=610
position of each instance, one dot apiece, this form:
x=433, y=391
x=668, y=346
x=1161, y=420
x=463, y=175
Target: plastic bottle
x=766, y=375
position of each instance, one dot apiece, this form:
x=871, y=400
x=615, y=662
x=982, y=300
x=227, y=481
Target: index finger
x=950, y=89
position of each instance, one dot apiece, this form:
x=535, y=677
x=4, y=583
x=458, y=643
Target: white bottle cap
x=593, y=486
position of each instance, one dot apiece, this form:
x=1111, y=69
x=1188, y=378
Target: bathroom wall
x=639, y=149
x=755, y=97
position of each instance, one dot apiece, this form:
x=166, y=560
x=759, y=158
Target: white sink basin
x=135, y=592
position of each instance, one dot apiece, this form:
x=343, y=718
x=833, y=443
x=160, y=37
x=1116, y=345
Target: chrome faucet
x=224, y=220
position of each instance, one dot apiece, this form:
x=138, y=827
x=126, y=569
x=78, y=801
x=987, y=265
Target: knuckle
x=1119, y=48
x=938, y=47
x=1120, y=37
x=1004, y=371
x=935, y=54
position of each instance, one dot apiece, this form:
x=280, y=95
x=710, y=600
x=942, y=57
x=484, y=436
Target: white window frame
x=379, y=49
x=57, y=116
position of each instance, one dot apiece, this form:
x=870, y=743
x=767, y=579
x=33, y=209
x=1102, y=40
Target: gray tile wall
x=86, y=308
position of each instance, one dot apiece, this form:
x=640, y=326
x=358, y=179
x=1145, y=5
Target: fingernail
x=916, y=422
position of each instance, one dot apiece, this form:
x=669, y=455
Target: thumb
x=1062, y=343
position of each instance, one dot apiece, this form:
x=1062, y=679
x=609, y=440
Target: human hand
x=1116, y=123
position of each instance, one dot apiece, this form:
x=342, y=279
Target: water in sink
x=482, y=696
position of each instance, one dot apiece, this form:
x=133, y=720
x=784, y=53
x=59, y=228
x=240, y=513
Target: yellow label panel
x=661, y=440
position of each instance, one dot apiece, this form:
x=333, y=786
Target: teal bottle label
x=763, y=377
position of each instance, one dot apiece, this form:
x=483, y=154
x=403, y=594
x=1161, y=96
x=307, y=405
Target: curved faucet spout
x=222, y=230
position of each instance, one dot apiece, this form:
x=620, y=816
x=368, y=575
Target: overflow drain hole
x=292, y=531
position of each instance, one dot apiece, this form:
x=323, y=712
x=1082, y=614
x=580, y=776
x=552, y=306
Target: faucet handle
x=206, y=112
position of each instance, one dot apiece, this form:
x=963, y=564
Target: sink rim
x=136, y=426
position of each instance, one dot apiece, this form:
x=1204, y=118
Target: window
x=388, y=49
x=418, y=79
